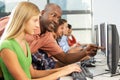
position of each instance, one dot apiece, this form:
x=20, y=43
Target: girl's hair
x=61, y=22
x=19, y=16
x=69, y=26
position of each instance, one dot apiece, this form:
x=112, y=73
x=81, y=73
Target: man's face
x=50, y=18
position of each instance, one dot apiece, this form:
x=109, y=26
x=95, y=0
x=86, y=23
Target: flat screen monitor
x=113, y=52
x=96, y=35
x=3, y=14
x=103, y=34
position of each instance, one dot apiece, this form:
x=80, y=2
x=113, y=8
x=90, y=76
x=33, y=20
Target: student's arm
x=58, y=53
x=71, y=58
x=11, y=62
x=54, y=74
x=42, y=73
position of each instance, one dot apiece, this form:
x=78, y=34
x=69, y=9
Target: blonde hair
x=19, y=16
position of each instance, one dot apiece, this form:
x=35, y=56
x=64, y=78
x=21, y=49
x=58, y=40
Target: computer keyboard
x=78, y=76
x=82, y=75
x=86, y=72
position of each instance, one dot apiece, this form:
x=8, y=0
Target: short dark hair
x=69, y=26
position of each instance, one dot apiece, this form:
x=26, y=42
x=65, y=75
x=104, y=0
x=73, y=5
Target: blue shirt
x=63, y=43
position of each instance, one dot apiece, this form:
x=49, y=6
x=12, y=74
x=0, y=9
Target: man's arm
x=71, y=58
x=68, y=58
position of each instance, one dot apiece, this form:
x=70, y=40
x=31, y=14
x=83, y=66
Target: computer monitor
x=96, y=35
x=113, y=52
x=3, y=14
x=103, y=37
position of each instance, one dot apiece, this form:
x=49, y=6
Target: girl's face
x=59, y=31
x=65, y=31
x=33, y=26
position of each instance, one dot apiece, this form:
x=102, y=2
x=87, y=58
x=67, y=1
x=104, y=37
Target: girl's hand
x=71, y=68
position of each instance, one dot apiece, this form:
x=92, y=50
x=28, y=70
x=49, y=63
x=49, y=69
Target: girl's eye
x=35, y=20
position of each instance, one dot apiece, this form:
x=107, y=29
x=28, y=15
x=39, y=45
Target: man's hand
x=91, y=49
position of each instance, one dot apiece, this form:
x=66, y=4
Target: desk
x=101, y=65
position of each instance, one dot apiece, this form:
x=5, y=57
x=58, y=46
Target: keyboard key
x=78, y=76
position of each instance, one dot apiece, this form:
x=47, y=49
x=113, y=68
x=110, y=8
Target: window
x=77, y=12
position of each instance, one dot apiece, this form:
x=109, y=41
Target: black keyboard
x=87, y=73
x=82, y=75
x=78, y=76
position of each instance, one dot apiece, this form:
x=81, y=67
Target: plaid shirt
x=41, y=61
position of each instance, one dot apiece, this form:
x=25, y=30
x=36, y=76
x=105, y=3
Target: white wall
x=40, y=3
x=106, y=11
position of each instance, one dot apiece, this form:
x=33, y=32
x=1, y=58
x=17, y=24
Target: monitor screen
x=96, y=35
x=112, y=48
x=103, y=34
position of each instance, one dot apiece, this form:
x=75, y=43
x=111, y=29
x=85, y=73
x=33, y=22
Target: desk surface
x=101, y=65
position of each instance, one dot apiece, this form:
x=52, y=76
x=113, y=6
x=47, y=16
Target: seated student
x=72, y=42
x=71, y=39
x=62, y=41
x=15, y=55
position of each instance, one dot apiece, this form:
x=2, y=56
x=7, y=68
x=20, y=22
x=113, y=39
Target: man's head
x=50, y=17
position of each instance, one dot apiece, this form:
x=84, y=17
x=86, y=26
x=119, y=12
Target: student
x=72, y=42
x=62, y=42
x=71, y=39
x=15, y=55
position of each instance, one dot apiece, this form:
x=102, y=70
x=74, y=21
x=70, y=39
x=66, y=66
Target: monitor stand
x=116, y=74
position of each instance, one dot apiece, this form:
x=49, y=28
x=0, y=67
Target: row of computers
x=107, y=35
